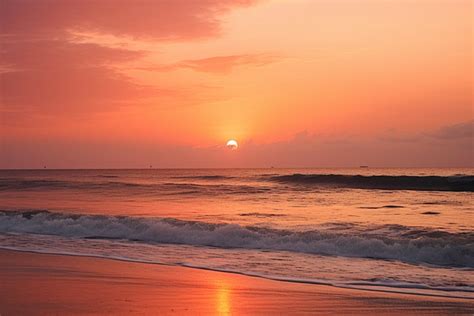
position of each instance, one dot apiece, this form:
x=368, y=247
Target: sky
x=297, y=83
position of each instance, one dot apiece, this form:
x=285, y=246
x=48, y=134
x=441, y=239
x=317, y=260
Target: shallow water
x=403, y=229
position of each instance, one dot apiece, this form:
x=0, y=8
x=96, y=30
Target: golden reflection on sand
x=223, y=303
x=83, y=285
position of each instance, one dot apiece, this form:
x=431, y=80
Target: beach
x=236, y=157
x=44, y=284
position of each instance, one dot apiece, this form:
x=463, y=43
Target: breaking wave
x=389, y=242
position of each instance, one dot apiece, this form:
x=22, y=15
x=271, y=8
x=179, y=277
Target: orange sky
x=296, y=82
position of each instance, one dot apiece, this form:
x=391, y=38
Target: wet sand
x=41, y=284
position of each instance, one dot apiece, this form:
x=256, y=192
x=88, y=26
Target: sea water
x=402, y=230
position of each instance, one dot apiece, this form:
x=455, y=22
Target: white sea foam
x=393, y=242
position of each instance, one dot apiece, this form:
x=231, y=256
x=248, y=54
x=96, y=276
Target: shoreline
x=92, y=285
x=369, y=288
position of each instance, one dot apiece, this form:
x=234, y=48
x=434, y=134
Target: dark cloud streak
x=455, y=131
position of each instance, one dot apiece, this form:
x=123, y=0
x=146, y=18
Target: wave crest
x=383, y=182
x=391, y=242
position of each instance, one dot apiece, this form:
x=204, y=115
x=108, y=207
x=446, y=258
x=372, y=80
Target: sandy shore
x=33, y=284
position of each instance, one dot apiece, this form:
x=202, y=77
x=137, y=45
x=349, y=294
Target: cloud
x=455, y=131
x=313, y=150
x=217, y=64
x=302, y=150
x=224, y=64
x=43, y=54
x=44, y=70
x=60, y=76
x=161, y=19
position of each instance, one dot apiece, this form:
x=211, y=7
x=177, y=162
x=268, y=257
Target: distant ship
x=363, y=166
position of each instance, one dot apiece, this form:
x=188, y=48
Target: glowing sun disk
x=232, y=144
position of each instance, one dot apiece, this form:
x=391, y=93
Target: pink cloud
x=59, y=76
x=44, y=71
x=217, y=64
x=224, y=64
x=44, y=54
x=165, y=19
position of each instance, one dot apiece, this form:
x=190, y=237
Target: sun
x=232, y=144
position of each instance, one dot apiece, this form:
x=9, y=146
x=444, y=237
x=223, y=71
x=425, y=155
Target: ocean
x=399, y=230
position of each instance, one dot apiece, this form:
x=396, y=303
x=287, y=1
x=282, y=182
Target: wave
x=217, y=184
x=205, y=177
x=137, y=188
x=389, y=242
x=382, y=182
x=261, y=215
x=380, y=207
x=28, y=184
